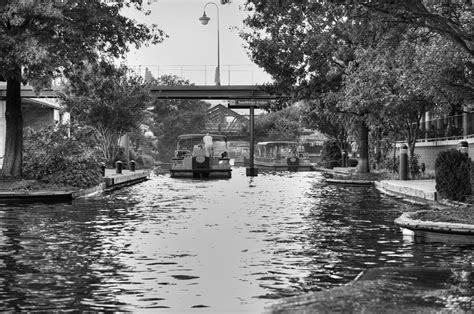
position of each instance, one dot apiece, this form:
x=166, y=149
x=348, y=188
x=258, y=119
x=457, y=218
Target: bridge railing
x=232, y=74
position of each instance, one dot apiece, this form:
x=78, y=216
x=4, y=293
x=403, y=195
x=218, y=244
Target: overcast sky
x=191, y=46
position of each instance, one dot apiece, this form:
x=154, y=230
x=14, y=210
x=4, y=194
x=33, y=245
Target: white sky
x=191, y=49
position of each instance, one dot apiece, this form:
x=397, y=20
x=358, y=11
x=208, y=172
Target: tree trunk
x=364, y=148
x=12, y=163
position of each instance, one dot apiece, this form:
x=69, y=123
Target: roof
x=43, y=102
x=188, y=136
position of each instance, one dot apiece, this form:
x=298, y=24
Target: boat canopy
x=274, y=149
x=278, y=143
x=189, y=141
x=200, y=136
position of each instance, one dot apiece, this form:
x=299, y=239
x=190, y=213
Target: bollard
x=118, y=167
x=463, y=147
x=344, y=159
x=102, y=169
x=132, y=165
x=404, y=162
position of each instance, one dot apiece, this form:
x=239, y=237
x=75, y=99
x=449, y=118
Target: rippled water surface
x=215, y=245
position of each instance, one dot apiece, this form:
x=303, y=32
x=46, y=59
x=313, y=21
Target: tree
x=104, y=97
x=173, y=117
x=452, y=19
x=283, y=125
x=398, y=85
x=307, y=46
x=310, y=46
x=42, y=40
x=322, y=115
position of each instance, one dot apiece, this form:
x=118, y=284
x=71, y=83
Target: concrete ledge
x=88, y=192
x=346, y=170
x=433, y=231
x=36, y=196
x=417, y=189
x=378, y=290
x=350, y=182
x=111, y=181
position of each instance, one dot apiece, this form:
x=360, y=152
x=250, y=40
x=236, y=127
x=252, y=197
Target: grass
x=8, y=184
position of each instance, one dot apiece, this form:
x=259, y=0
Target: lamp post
x=204, y=20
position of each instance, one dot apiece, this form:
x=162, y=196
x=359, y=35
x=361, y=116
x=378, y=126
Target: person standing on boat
x=207, y=139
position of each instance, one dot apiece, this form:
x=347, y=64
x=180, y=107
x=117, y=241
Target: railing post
x=464, y=147
x=102, y=169
x=118, y=167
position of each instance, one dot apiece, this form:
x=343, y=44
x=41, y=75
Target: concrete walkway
x=421, y=189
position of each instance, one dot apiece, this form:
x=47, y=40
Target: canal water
x=189, y=245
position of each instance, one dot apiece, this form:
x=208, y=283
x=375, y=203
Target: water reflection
x=214, y=245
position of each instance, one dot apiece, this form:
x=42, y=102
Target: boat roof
x=199, y=135
x=276, y=142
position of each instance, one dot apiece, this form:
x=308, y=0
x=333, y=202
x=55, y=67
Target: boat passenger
x=207, y=139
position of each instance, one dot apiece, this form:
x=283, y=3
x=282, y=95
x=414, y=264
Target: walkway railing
x=446, y=128
x=232, y=74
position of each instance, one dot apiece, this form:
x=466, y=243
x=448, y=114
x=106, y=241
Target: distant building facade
x=442, y=133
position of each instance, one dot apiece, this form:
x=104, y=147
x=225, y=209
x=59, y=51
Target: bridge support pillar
x=252, y=171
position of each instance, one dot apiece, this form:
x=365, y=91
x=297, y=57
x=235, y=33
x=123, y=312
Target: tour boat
x=281, y=155
x=240, y=154
x=201, y=155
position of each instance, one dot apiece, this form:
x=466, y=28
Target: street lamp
x=204, y=20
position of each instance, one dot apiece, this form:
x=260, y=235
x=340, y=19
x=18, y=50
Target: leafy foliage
x=278, y=126
x=322, y=114
x=175, y=117
x=51, y=155
x=452, y=19
x=43, y=40
x=452, y=170
x=375, y=64
x=107, y=99
x=331, y=154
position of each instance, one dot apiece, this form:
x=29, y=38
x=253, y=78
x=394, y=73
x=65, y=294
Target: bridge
x=230, y=92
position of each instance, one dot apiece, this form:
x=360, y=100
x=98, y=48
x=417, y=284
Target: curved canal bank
x=240, y=244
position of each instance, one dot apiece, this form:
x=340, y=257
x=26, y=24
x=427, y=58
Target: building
x=442, y=133
x=38, y=113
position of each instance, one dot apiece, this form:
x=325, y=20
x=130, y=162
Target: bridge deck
x=237, y=92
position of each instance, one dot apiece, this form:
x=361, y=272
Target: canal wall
x=418, y=189
x=428, y=150
x=111, y=180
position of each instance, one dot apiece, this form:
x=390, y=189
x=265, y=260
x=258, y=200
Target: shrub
x=352, y=162
x=392, y=164
x=452, y=169
x=332, y=163
x=52, y=155
x=330, y=151
x=145, y=161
